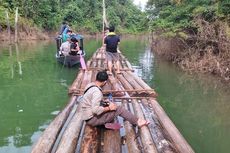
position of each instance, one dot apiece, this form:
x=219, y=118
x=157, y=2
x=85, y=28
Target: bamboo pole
x=168, y=125
x=16, y=25
x=49, y=136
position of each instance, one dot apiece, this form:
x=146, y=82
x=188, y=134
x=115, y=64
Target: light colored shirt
x=65, y=48
x=90, y=103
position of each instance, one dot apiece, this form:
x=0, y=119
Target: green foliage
x=176, y=15
x=81, y=14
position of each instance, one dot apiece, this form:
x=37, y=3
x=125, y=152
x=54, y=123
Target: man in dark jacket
x=111, y=42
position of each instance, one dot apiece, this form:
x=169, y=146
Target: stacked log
x=49, y=136
x=69, y=134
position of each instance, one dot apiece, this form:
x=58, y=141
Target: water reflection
x=31, y=97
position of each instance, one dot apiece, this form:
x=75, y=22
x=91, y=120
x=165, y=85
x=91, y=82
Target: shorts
x=112, y=56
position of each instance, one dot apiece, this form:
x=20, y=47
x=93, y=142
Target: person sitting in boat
x=96, y=113
x=66, y=34
x=65, y=47
x=74, y=47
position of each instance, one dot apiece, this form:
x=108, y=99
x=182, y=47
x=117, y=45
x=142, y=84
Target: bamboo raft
x=67, y=133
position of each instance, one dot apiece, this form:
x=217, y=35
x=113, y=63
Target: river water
x=33, y=89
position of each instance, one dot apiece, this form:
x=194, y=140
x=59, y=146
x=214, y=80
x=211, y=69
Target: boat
x=70, y=60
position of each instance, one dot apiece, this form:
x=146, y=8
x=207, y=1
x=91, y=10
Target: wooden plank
x=49, y=136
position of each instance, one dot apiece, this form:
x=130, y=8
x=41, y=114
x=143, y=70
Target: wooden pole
x=8, y=27
x=16, y=25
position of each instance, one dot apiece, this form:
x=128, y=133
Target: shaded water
x=33, y=89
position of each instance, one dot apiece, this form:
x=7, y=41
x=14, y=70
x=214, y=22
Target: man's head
x=74, y=40
x=69, y=31
x=102, y=77
x=111, y=29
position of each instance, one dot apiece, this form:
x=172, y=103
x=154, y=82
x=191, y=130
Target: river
x=33, y=89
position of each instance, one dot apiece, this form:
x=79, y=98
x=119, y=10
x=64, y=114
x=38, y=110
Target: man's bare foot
x=142, y=122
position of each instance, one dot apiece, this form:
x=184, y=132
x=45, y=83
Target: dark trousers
x=109, y=117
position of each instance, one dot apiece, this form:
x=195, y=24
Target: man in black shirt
x=111, y=42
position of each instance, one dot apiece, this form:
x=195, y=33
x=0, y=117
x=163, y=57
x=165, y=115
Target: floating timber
x=67, y=133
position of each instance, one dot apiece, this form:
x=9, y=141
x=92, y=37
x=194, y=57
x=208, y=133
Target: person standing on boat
x=74, y=47
x=65, y=47
x=63, y=27
x=111, y=43
x=96, y=114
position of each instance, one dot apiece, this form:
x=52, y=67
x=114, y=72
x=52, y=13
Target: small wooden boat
x=69, y=60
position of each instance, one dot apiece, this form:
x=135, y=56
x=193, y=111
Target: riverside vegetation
x=195, y=34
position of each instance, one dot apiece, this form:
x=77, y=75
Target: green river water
x=33, y=89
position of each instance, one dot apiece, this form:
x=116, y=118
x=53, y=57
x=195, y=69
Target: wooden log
x=126, y=84
x=149, y=146
x=116, y=86
x=130, y=135
x=49, y=136
x=112, y=141
x=77, y=83
x=179, y=141
x=86, y=79
x=133, y=83
x=159, y=137
x=143, y=84
x=69, y=139
x=91, y=140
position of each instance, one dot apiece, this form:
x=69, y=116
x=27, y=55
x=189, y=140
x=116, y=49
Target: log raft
x=67, y=133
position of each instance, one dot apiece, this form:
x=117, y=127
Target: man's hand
x=112, y=106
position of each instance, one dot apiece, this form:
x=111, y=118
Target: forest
x=82, y=15
x=195, y=34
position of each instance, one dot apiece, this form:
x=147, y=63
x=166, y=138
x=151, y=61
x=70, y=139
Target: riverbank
x=207, y=51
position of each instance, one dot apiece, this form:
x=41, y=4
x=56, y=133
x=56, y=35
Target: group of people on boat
x=70, y=45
